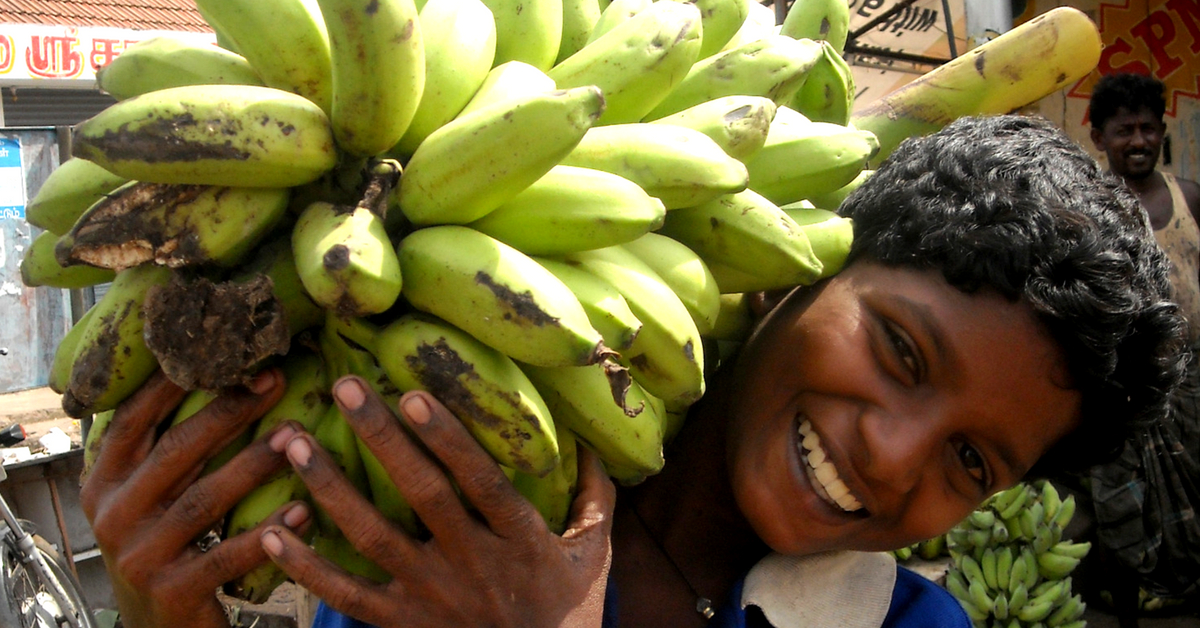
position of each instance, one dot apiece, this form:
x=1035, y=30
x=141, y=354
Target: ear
x=1098, y=139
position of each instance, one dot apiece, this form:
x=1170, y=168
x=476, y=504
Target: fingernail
x=295, y=516
x=416, y=409
x=271, y=543
x=299, y=452
x=351, y=394
x=262, y=382
x=280, y=438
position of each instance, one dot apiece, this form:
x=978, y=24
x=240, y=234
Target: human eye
x=903, y=350
x=973, y=462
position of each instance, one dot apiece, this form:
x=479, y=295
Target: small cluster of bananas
x=1010, y=566
x=540, y=211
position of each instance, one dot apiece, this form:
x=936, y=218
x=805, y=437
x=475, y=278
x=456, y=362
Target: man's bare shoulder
x=1191, y=194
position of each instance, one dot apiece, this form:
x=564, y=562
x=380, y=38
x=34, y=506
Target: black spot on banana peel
x=146, y=143
x=96, y=361
x=209, y=335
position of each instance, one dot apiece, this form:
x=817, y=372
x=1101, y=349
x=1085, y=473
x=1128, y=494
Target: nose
x=900, y=445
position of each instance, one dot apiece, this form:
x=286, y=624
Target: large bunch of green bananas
x=1011, y=566
x=544, y=212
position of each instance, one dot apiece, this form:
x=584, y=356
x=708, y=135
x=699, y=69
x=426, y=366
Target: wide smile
x=822, y=474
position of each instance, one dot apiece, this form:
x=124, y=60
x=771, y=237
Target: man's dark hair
x=1012, y=203
x=1131, y=91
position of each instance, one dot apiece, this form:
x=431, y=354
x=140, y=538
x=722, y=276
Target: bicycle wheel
x=28, y=600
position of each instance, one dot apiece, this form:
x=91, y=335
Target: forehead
x=1127, y=117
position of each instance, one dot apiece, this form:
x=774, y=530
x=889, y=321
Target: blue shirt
x=916, y=603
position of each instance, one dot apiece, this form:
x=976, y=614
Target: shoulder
x=1191, y=194
x=919, y=602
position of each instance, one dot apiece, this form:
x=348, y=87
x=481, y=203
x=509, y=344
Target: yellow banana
x=161, y=62
x=738, y=124
x=69, y=190
x=40, y=267
x=685, y=273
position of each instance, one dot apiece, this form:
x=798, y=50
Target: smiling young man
x=1003, y=312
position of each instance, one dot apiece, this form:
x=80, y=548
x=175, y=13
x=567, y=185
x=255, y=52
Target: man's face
x=923, y=400
x=1133, y=142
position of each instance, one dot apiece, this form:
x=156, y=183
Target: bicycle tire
x=21, y=586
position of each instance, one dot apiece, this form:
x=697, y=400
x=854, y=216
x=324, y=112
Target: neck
x=1144, y=184
x=690, y=509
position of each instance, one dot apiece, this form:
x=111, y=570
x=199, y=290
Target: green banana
x=1071, y=549
x=747, y=233
x=1070, y=611
x=579, y=18
x=667, y=356
x=681, y=167
x=685, y=273
x=510, y=79
x=738, y=124
x=111, y=359
x=460, y=46
x=573, y=209
x=40, y=267
x=1065, y=512
x=1032, y=574
x=553, y=493
x=1051, y=500
x=971, y=569
x=982, y=519
x=497, y=294
x=773, y=67
x=958, y=587
x=606, y=309
x=471, y=165
x=332, y=545
x=336, y=436
x=93, y=440
x=274, y=260
x=484, y=388
x=827, y=94
x=802, y=158
x=977, y=591
x=829, y=235
x=638, y=63
x=987, y=565
x=721, y=21
x=345, y=259
x=1055, y=566
x=377, y=59
x=833, y=200
x=173, y=225
x=1018, y=598
x=228, y=135
x=285, y=42
x=616, y=13
x=69, y=190
x=1014, y=501
x=606, y=410
x=827, y=20
x=164, y=61
x=64, y=354
x=735, y=320
x=194, y=402
x=1016, y=577
x=760, y=23
x=527, y=30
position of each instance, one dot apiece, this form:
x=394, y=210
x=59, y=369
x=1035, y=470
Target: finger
x=358, y=519
x=183, y=449
x=350, y=594
x=477, y=475
x=130, y=435
x=203, y=504
x=236, y=556
x=420, y=479
x=595, y=500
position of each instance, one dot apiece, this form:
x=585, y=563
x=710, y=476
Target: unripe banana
x=40, y=267
x=1004, y=564
x=773, y=67
x=827, y=20
x=1055, y=566
x=484, y=388
x=345, y=259
x=275, y=261
x=1018, y=572
x=1074, y=550
x=681, y=167
x=93, y=440
x=829, y=235
x=471, y=165
x=988, y=566
x=979, y=597
x=64, y=354
x=606, y=309
x=685, y=273
x=802, y=158
x=112, y=360
x=336, y=436
x=606, y=410
x=637, y=63
x=667, y=357
x=1018, y=598
x=833, y=200
x=573, y=209
x=497, y=294
x=1013, y=505
x=1051, y=501
x=508, y=80
x=553, y=493
x=1065, y=512
x=69, y=190
x=1068, y=612
x=747, y=233
x=616, y=13
x=738, y=124
x=759, y=24
x=173, y=225
x=828, y=91
x=228, y=135
x=721, y=21
x=527, y=30
x=161, y=62
x=971, y=569
x=460, y=46
x=735, y=320
x=332, y=545
x=285, y=42
x=196, y=401
x=982, y=519
x=579, y=18
x=377, y=58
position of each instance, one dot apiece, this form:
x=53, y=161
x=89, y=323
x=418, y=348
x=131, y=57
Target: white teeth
x=823, y=473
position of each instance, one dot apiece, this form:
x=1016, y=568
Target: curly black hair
x=1011, y=203
x=1131, y=91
